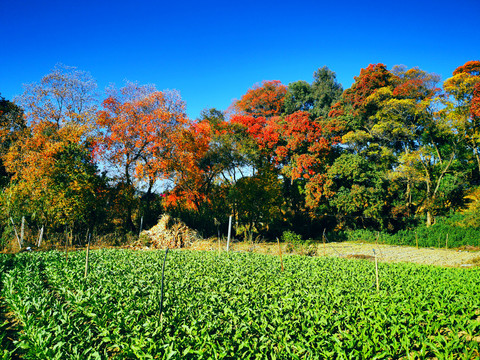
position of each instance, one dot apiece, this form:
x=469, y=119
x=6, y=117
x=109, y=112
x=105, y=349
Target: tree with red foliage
x=190, y=167
x=263, y=101
x=372, y=78
x=303, y=149
x=470, y=67
x=138, y=127
x=475, y=104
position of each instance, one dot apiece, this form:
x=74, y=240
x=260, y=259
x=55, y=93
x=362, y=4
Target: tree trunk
x=429, y=218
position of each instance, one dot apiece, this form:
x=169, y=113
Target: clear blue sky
x=214, y=51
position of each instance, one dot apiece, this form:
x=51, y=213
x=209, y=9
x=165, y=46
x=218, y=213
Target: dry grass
x=351, y=250
x=361, y=256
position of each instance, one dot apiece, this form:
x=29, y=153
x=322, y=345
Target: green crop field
x=236, y=306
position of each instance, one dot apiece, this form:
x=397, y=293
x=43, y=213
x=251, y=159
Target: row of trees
x=307, y=156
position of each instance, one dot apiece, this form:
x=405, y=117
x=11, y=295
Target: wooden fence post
x=66, y=245
x=161, y=291
x=376, y=271
x=280, y=251
x=86, y=257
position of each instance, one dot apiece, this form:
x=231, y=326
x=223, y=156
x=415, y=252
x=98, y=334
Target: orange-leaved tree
x=55, y=181
x=138, y=128
x=262, y=101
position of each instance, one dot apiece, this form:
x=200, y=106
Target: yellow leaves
x=359, y=136
x=410, y=167
x=379, y=96
x=461, y=86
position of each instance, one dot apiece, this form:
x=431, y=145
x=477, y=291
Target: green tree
x=257, y=201
x=316, y=98
x=12, y=126
x=358, y=191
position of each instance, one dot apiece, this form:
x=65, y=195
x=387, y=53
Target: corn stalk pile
x=169, y=232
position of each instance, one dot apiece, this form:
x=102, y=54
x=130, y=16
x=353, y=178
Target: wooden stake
x=229, y=232
x=416, y=238
x=446, y=242
x=376, y=270
x=161, y=291
x=86, y=257
x=16, y=234
x=280, y=251
x=66, y=246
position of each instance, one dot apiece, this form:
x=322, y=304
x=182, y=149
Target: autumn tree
x=302, y=150
x=47, y=185
x=262, y=101
x=192, y=167
x=64, y=96
x=54, y=181
x=138, y=124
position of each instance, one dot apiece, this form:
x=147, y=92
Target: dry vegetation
x=387, y=253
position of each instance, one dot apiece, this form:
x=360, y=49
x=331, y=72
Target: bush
x=433, y=236
x=291, y=237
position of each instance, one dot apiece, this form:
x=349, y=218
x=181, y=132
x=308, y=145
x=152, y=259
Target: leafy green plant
x=291, y=237
x=238, y=305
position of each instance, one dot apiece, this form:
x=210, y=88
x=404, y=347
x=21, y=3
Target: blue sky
x=214, y=51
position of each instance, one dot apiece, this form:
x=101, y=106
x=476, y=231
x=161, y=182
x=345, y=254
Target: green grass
x=239, y=305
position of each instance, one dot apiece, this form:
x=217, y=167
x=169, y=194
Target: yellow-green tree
x=461, y=105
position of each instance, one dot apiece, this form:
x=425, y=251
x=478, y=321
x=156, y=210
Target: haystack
x=171, y=233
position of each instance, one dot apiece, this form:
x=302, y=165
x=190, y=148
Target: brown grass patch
x=361, y=256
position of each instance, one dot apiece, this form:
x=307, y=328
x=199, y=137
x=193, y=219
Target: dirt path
x=385, y=253
x=392, y=253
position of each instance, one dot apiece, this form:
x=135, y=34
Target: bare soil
x=385, y=253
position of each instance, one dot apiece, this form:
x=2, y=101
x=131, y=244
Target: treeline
x=395, y=149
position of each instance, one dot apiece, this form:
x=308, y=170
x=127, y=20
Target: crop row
x=239, y=305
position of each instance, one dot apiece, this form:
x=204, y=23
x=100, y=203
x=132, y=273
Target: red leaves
x=137, y=133
x=471, y=67
x=475, y=104
x=263, y=101
x=254, y=125
x=305, y=149
x=374, y=77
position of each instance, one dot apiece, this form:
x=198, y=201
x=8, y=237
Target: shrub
x=291, y=237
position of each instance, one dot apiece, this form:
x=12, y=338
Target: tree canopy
x=396, y=146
